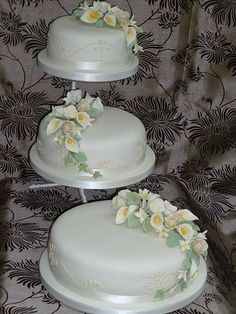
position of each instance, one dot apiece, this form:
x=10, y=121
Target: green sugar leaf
x=146, y=225
x=80, y=157
x=133, y=197
x=100, y=23
x=173, y=239
x=133, y=221
x=83, y=167
x=68, y=159
x=182, y=285
x=93, y=112
x=187, y=263
x=159, y=295
x=78, y=13
x=97, y=175
x=191, y=255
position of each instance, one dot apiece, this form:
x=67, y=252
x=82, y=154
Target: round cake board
x=71, y=73
x=94, y=306
x=114, y=180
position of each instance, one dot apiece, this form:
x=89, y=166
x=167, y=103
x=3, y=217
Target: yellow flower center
x=109, y=20
x=94, y=15
x=156, y=220
x=125, y=212
x=81, y=117
x=70, y=141
x=130, y=32
x=183, y=231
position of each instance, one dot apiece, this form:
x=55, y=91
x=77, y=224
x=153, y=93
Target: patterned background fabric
x=184, y=93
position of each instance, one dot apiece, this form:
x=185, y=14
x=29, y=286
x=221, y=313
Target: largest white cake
x=92, y=254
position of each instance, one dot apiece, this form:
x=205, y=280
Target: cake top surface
x=92, y=229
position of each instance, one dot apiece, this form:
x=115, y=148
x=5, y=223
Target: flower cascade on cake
x=149, y=211
x=101, y=13
x=67, y=123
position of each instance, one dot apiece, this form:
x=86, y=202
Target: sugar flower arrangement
x=67, y=123
x=101, y=13
x=147, y=210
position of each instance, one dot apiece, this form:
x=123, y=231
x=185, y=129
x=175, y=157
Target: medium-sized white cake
x=116, y=142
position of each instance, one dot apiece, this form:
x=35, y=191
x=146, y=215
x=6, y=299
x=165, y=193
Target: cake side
x=114, y=140
x=96, y=256
x=96, y=43
x=86, y=46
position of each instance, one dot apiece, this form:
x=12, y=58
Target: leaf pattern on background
x=21, y=113
x=224, y=180
x=214, y=132
x=212, y=46
x=50, y=203
x=11, y=28
x=160, y=118
x=222, y=11
x=26, y=273
x=36, y=37
x=18, y=310
x=196, y=171
x=147, y=60
x=21, y=236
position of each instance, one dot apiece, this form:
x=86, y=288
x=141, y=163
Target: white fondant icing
x=87, y=47
x=123, y=261
x=113, y=142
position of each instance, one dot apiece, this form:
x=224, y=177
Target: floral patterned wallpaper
x=184, y=93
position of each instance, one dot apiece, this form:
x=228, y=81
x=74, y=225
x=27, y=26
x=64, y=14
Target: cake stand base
x=94, y=306
x=114, y=179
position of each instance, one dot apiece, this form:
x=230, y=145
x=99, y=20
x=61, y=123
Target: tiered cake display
x=92, y=263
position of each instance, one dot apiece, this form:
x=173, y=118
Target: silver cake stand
x=62, y=293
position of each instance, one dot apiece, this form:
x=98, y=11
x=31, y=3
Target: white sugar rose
x=83, y=105
x=70, y=112
x=68, y=127
x=73, y=97
x=122, y=193
x=58, y=111
x=97, y=104
x=169, y=208
x=157, y=205
x=118, y=202
x=102, y=6
x=200, y=246
x=171, y=221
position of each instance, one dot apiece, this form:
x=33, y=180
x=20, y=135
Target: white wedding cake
x=93, y=44
x=91, y=254
x=114, y=142
x=94, y=262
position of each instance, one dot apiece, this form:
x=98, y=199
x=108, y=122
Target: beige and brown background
x=184, y=93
